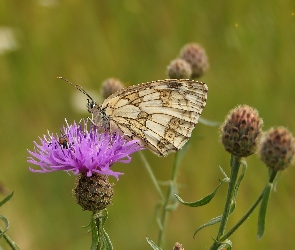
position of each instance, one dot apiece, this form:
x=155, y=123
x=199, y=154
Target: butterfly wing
x=161, y=114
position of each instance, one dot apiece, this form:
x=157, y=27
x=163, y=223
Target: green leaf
x=152, y=244
x=227, y=244
x=201, y=202
x=100, y=239
x=214, y=220
x=6, y=199
x=226, y=179
x=239, y=180
x=6, y=222
x=106, y=241
x=209, y=223
x=262, y=210
x=158, y=216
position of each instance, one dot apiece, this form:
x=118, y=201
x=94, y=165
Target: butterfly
x=161, y=114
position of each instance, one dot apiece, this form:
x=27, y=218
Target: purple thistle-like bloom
x=82, y=151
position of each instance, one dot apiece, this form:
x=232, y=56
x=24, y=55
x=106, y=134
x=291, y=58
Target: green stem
x=100, y=239
x=235, y=164
x=245, y=217
x=151, y=174
x=272, y=176
x=164, y=214
x=249, y=212
x=10, y=242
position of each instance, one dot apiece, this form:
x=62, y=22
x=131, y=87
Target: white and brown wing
x=161, y=114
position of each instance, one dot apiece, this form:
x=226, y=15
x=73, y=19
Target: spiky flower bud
x=178, y=246
x=93, y=193
x=110, y=86
x=277, y=148
x=196, y=56
x=179, y=69
x=241, y=131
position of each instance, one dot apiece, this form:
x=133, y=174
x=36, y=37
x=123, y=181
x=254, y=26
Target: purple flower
x=82, y=151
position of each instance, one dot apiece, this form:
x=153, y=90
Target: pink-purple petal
x=87, y=151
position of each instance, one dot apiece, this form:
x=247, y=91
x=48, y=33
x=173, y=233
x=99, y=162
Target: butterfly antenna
x=76, y=86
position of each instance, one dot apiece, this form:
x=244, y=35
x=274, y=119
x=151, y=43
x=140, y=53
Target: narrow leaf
x=100, y=239
x=238, y=183
x=214, y=220
x=107, y=241
x=6, y=222
x=262, y=210
x=226, y=244
x=226, y=179
x=152, y=244
x=158, y=216
x=221, y=247
x=202, y=201
x=6, y=199
x=209, y=223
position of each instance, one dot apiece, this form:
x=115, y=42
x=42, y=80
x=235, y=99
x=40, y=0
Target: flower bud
x=93, y=193
x=196, y=56
x=241, y=131
x=178, y=246
x=110, y=86
x=179, y=69
x=277, y=148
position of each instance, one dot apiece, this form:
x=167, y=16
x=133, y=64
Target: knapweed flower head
x=93, y=193
x=82, y=150
x=196, y=56
x=179, y=69
x=241, y=131
x=277, y=148
x=110, y=86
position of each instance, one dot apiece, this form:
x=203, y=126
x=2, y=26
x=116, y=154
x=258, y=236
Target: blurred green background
x=251, y=48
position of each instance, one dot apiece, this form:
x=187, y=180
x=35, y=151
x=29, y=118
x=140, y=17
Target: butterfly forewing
x=161, y=114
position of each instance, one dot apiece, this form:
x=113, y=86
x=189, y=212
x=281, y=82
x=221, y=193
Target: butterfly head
x=91, y=104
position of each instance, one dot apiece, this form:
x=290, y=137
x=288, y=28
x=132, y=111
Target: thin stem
x=246, y=216
x=272, y=176
x=100, y=239
x=10, y=242
x=235, y=164
x=151, y=174
x=167, y=200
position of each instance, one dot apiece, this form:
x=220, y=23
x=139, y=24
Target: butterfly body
x=99, y=117
x=160, y=114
